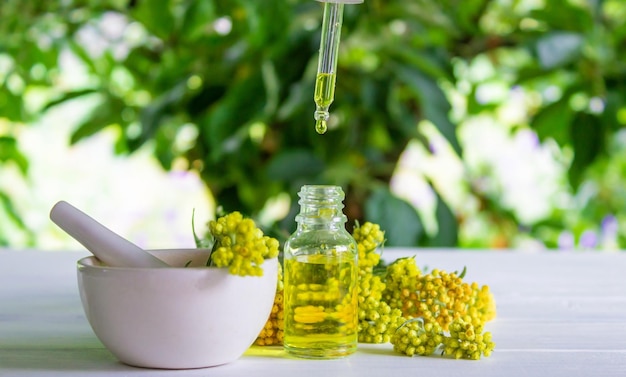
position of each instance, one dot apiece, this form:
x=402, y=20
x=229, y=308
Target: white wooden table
x=559, y=314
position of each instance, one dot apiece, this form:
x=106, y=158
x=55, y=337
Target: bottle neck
x=321, y=208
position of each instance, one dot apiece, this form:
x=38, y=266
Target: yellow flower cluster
x=467, y=341
x=377, y=320
x=414, y=337
x=369, y=237
x=436, y=303
x=482, y=305
x=438, y=296
x=240, y=245
x=402, y=273
x=274, y=329
x=400, y=276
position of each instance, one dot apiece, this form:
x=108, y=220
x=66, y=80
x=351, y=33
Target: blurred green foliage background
x=225, y=88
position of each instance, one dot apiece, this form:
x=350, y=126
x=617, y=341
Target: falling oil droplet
x=320, y=126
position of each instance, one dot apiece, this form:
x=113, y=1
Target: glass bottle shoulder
x=320, y=242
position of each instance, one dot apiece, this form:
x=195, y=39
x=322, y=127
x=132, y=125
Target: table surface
x=559, y=314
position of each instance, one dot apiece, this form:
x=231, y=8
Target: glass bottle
x=320, y=277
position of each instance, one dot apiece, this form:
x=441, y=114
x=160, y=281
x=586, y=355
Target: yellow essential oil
x=320, y=315
x=320, y=279
x=324, y=89
x=321, y=126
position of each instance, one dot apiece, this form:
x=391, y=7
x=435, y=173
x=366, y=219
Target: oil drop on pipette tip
x=321, y=126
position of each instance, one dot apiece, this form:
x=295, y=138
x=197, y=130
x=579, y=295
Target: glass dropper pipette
x=327, y=63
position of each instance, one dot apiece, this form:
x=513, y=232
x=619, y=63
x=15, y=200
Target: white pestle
x=112, y=249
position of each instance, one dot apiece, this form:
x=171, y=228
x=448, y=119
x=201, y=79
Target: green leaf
x=553, y=121
x=266, y=21
x=435, y=105
x=243, y=101
x=401, y=114
x=559, y=48
x=197, y=19
x=462, y=274
x=206, y=97
x=294, y=164
x=155, y=16
x=421, y=60
x=11, y=105
x=587, y=135
x=9, y=151
x=566, y=15
x=201, y=243
x=272, y=86
x=151, y=116
x=469, y=15
x=80, y=52
x=401, y=222
x=615, y=100
x=297, y=98
x=107, y=112
x=448, y=234
x=11, y=212
x=68, y=96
